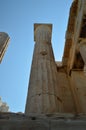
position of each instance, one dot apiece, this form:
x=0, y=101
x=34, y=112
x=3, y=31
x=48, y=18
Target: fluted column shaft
x=43, y=91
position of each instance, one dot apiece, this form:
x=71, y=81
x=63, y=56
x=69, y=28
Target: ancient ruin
x=56, y=96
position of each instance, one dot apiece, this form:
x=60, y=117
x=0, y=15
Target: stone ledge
x=17, y=121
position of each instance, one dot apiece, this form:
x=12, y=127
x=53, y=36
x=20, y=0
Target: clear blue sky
x=17, y=18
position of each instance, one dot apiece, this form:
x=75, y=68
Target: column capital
x=42, y=32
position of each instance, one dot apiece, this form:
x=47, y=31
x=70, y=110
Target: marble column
x=43, y=95
x=4, y=40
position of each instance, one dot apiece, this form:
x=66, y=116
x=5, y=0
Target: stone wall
x=12, y=121
x=78, y=81
x=66, y=98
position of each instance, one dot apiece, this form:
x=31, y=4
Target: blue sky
x=17, y=18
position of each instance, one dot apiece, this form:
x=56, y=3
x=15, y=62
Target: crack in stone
x=59, y=99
